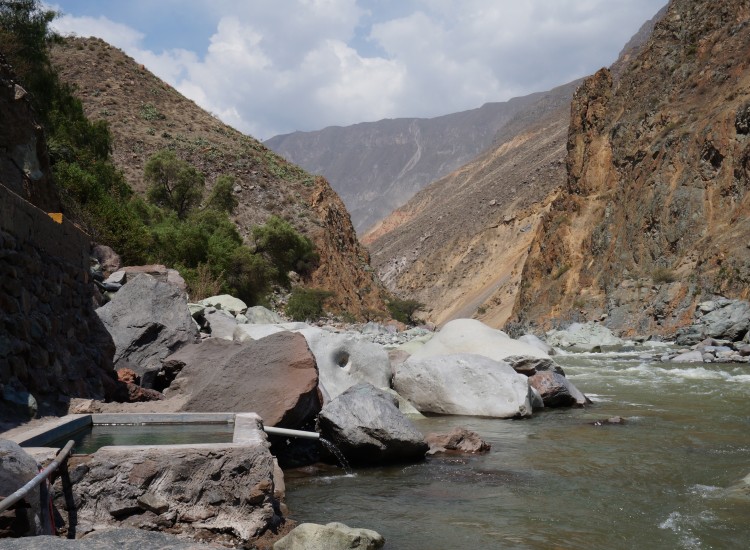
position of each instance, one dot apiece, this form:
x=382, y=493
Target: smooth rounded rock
x=556, y=390
x=16, y=469
x=472, y=336
x=463, y=384
x=225, y=302
x=333, y=536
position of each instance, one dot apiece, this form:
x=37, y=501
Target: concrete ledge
x=41, y=436
x=162, y=418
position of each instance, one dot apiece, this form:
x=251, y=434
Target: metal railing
x=60, y=458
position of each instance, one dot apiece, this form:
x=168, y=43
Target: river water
x=557, y=481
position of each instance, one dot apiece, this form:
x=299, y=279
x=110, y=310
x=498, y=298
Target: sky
x=270, y=67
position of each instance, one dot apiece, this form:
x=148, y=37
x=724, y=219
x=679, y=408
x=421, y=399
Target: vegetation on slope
x=176, y=226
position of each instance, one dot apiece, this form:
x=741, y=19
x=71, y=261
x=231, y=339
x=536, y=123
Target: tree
x=285, y=247
x=174, y=183
x=222, y=195
x=404, y=310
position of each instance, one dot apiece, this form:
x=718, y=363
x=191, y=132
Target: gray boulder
x=220, y=323
x=259, y=315
x=147, y=320
x=344, y=360
x=27, y=517
x=694, y=356
x=464, y=384
x=368, y=428
x=529, y=366
x=275, y=377
x=227, y=303
x=556, y=390
x=721, y=319
x=333, y=536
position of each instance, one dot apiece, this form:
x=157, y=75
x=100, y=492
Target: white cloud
x=273, y=67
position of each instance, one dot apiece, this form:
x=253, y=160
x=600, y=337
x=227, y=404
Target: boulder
x=147, y=320
x=26, y=518
x=333, y=536
x=459, y=439
x=227, y=303
x=259, y=315
x=556, y=390
x=463, y=384
x=157, y=271
x=523, y=364
x=221, y=324
x=220, y=492
x=368, y=428
x=344, y=360
x=275, y=377
x=694, y=356
x=720, y=319
x=538, y=343
x=589, y=336
x=472, y=336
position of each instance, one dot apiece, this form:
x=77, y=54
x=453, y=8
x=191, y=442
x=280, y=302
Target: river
x=557, y=481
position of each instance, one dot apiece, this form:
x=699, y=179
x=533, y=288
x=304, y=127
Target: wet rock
x=333, y=536
x=367, y=426
x=25, y=518
x=694, y=356
x=275, y=377
x=472, y=336
x=556, y=390
x=459, y=439
x=147, y=320
x=463, y=384
x=612, y=421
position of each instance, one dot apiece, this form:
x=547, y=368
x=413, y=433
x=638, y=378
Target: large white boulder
x=225, y=302
x=242, y=333
x=472, y=336
x=345, y=360
x=583, y=336
x=463, y=384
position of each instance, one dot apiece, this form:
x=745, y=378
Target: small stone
x=153, y=503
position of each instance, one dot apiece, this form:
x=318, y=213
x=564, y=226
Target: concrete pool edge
x=246, y=426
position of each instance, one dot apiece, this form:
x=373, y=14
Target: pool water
x=94, y=437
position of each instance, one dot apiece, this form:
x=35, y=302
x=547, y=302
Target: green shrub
x=173, y=183
x=404, y=310
x=306, y=304
x=285, y=248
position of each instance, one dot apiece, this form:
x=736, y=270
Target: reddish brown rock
x=138, y=394
x=459, y=439
x=556, y=390
x=276, y=377
x=128, y=376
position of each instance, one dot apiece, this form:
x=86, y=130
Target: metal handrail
x=61, y=457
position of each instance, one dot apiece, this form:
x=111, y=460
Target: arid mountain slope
x=377, y=166
x=658, y=177
x=459, y=245
x=146, y=115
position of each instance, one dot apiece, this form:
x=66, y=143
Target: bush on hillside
x=306, y=304
x=286, y=249
x=174, y=184
x=404, y=310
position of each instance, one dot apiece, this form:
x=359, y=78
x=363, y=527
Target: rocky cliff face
x=654, y=213
x=146, y=115
x=460, y=244
x=378, y=166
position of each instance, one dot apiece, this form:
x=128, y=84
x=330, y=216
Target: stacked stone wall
x=52, y=343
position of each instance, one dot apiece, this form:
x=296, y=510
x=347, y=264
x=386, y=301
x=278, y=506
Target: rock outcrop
x=654, y=214
x=28, y=517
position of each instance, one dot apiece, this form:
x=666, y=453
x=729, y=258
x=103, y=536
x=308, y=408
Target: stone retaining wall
x=52, y=342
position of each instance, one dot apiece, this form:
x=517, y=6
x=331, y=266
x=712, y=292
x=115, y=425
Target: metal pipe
x=291, y=433
x=61, y=457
